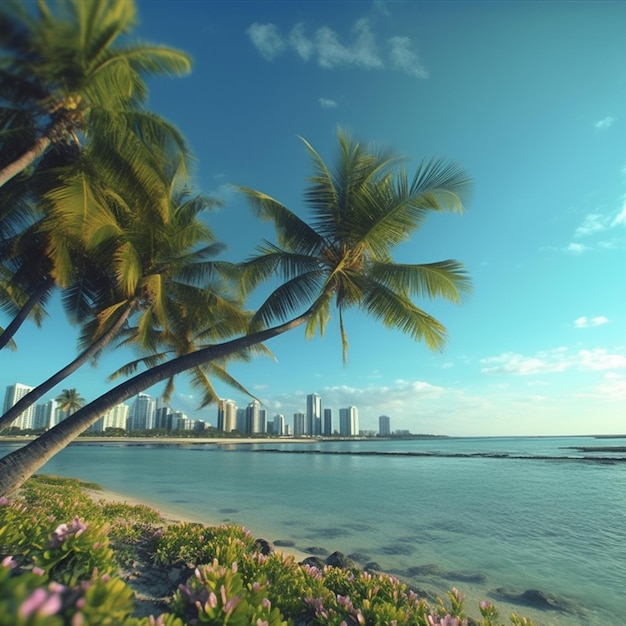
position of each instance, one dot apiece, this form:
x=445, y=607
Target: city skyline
x=143, y=412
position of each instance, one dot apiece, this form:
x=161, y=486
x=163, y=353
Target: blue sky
x=528, y=97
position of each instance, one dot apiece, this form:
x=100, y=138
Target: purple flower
x=8, y=561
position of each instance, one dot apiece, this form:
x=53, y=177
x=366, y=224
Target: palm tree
x=60, y=71
x=360, y=209
x=70, y=400
x=144, y=247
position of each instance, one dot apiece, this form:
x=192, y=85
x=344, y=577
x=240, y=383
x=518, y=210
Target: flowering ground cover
x=70, y=560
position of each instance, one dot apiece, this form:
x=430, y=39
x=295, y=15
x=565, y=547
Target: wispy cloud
x=327, y=103
x=576, y=248
x=586, y=322
x=554, y=361
x=605, y=122
x=332, y=51
x=266, y=39
x=596, y=223
x=403, y=57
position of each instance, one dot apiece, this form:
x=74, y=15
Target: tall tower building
x=327, y=424
x=279, y=425
x=142, y=413
x=226, y=416
x=12, y=394
x=298, y=424
x=313, y=414
x=349, y=422
x=253, y=417
x=242, y=426
x=384, y=426
x=45, y=415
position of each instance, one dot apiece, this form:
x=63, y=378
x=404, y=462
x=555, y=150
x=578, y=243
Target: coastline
x=172, y=515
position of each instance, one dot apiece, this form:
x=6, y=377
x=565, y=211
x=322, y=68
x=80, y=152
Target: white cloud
x=554, y=361
x=593, y=223
x=327, y=103
x=331, y=51
x=300, y=43
x=267, y=39
x=585, y=322
x=404, y=58
x=605, y=122
x=620, y=218
x=576, y=248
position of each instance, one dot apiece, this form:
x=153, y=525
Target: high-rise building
x=241, y=420
x=181, y=422
x=253, y=417
x=45, y=415
x=12, y=394
x=163, y=418
x=142, y=413
x=279, y=425
x=313, y=414
x=298, y=424
x=113, y=418
x=349, y=422
x=384, y=426
x=226, y=416
x=327, y=425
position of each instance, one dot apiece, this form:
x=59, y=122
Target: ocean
x=532, y=524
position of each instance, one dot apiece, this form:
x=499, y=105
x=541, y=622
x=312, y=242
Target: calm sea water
x=553, y=524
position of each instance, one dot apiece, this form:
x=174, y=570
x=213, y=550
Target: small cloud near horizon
x=606, y=122
x=553, y=361
x=585, y=322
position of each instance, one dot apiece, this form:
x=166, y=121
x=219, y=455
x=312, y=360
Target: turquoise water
x=555, y=524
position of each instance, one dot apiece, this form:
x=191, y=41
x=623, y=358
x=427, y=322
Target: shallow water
x=477, y=523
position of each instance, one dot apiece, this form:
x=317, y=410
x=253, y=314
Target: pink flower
x=8, y=561
x=41, y=603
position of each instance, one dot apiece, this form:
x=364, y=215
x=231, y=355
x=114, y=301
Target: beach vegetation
x=64, y=573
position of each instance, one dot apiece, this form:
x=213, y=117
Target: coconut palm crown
x=360, y=207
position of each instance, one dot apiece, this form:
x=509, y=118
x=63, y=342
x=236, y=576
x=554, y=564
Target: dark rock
x=284, y=543
x=359, y=557
x=313, y=561
x=372, y=566
x=429, y=569
x=337, y=559
x=316, y=550
x=538, y=599
x=466, y=577
x=264, y=546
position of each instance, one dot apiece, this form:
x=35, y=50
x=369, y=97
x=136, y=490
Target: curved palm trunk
x=32, y=396
x=20, y=465
x=22, y=162
x=20, y=318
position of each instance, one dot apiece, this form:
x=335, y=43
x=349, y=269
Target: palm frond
x=293, y=233
x=290, y=298
x=445, y=279
x=396, y=311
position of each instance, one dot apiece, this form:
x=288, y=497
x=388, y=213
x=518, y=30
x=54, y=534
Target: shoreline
x=173, y=515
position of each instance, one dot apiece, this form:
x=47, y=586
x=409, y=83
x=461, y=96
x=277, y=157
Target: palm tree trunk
x=22, y=162
x=32, y=396
x=7, y=334
x=20, y=465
